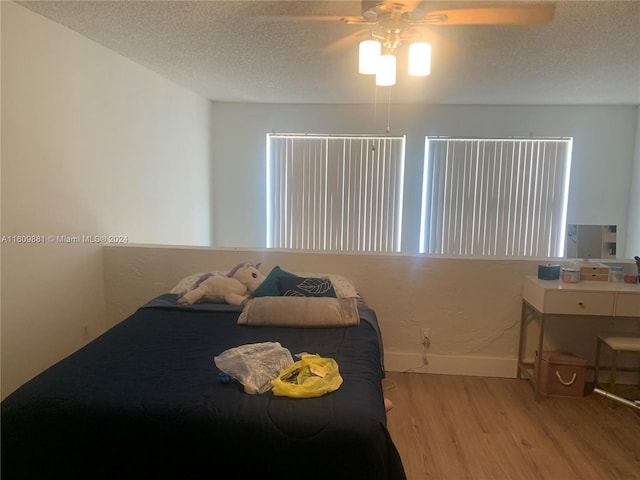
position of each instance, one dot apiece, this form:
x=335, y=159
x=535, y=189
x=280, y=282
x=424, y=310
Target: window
x=340, y=193
x=495, y=197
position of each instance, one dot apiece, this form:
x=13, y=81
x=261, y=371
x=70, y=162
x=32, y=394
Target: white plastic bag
x=254, y=365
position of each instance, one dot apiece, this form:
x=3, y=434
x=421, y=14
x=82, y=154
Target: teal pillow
x=270, y=286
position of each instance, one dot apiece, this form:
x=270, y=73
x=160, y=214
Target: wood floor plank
x=456, y=427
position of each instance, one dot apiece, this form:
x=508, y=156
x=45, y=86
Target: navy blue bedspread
x=145, y=401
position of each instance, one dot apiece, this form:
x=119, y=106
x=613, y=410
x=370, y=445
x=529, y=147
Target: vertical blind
x=495, y=197
x=341, y=193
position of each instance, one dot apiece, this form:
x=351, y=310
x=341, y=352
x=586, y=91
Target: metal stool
x=617, y=345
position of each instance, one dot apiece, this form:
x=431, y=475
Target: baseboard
x=396, y=361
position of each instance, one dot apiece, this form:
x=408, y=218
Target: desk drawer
x=579, y=303
x=628, y=305
x=594, y=277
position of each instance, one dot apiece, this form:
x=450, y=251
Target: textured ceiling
x=255, y=51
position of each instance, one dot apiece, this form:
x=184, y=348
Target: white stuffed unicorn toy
x=234, y=288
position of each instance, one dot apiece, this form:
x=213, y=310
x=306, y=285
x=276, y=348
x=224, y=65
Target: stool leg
x=614, y=361
x=596, y=369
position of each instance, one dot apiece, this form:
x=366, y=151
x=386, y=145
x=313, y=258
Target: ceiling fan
x=391, y=22
x=397, y=18
x=410, y=13
x=417, y=13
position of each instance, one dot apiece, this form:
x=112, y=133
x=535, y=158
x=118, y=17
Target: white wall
x=472, y=306
x=633, y=238
x=603, y=152
x=92, y=144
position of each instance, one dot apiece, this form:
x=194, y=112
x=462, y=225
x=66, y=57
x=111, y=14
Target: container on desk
x=570, y=275
x=594, y=272
x=562, y=374
x=631, y=279
x=548, y=272
x=616, y=273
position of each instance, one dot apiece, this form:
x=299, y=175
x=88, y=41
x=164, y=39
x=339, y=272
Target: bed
x=145, y=400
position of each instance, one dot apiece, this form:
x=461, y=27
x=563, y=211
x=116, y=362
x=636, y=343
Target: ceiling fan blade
x=350, y=19
x=513, y=15
x=311, y=18
x=358, y=21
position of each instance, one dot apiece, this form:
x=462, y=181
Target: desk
x=546, y=299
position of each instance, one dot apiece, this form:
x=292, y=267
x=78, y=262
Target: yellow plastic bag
x=312, y=376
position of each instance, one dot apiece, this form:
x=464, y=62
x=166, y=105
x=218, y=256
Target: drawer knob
x=581, y=305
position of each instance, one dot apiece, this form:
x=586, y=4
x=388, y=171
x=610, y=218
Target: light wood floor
x=455, y=427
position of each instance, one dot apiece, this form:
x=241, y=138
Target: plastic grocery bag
x=312, y=376
x=254, y=365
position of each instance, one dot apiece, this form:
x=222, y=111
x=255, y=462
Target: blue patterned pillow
x=270, y=286
x=306, y=287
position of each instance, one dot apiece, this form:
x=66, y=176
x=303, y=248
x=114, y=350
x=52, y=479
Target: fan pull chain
x=375, y=106
x=389, y=112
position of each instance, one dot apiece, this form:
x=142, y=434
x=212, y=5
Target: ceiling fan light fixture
x=369, y=55
x=386, y=74
x=419, y=59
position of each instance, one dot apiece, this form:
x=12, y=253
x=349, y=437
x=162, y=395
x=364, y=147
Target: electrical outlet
x=426, y=341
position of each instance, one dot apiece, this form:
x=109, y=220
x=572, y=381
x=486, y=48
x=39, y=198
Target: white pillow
x=343, y=286
x=186, y=284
